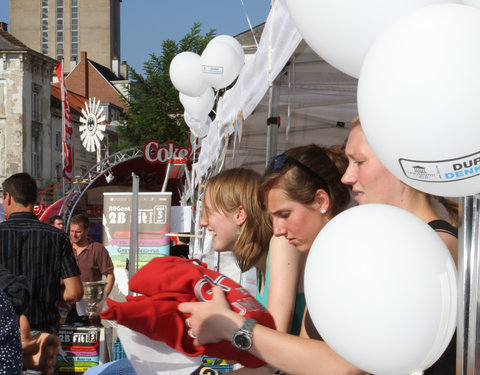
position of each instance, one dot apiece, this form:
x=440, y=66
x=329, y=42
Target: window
x=36, y=116
x=74, y=26
x=58, y=171
x=60, y=49
x=59, y=23
x=58, y=141
x=35, y=156
x=45, y=27
x=3, y=98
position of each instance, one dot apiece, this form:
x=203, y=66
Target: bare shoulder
x=452, y=244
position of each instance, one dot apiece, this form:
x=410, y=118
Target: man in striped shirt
x=40, y=252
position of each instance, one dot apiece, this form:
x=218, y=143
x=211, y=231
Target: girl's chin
x=303, y=248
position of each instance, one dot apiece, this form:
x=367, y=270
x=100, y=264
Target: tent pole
x=273, y=120
x=133, y=251
x=468, y=328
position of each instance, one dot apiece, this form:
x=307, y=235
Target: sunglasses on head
x=278, y=162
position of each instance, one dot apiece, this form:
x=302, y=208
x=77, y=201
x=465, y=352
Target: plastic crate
x=118, y=352
x=219, y=365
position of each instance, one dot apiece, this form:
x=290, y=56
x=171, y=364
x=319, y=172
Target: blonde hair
x=237, y=187
x=450, y=206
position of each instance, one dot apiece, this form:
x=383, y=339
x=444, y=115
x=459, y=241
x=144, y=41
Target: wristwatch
x=242, y=338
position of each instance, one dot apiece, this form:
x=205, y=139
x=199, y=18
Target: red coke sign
x=156, y=153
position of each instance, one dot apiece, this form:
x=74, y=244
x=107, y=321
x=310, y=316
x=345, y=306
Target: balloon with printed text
x=221, y=64
x=418, y=99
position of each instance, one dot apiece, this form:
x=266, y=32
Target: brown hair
x=450, y=206
x=52, y=219
x=327, y=163
x=238, y=187
x=80, y=219
x=22, y=187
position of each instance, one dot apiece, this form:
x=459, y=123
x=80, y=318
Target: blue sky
x=145, y=24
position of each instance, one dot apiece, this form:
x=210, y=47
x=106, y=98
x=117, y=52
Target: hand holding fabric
x=166, y=282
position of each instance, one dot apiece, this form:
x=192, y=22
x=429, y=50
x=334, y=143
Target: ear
x=322, y=200
x=240, y=215
x=7, y=198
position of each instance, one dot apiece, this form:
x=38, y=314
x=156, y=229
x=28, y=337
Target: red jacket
x=167, y=281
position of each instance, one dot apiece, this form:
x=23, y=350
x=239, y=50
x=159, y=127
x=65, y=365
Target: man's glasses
x=278, y=162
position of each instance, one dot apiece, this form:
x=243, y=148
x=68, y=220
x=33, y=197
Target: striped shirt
x=43, y=254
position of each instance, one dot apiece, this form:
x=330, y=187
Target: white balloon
x=198, y=128
x=472, y=3
x=186, y=74
x=341, y=32
x=220, y=64
x=384, y=296
x=230, y=40
x=200, y=106
x=418, y=98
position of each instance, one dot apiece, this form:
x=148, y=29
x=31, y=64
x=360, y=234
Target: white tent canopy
x=314, y=101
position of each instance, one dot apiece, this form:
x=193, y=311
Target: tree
x=155, y=111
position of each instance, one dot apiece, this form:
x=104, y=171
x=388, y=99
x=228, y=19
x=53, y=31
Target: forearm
x=296, y=355
x=110, y=283
x=292, y=354
x=214, y=321
x=72, y=290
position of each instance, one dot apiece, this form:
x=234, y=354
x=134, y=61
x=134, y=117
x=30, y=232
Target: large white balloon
x=473, y=3
x=384, y=296
x=198, y=128
x=220, y=64
x=418, y=99
x=186, y=74
x=200, y=106
x=341, y=32
x=230, y=40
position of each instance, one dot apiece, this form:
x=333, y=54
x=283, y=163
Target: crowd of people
x=268, y=222
x=302, y=189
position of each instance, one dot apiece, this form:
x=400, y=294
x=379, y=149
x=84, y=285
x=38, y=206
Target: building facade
x=26, y=139
x=62, y=28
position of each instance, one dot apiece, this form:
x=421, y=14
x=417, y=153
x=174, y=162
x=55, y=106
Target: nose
x=278, y=228
x=348, y=177
x=203, y=221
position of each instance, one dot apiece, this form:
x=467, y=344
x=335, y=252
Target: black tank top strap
x=310, y=327
x=443, y=226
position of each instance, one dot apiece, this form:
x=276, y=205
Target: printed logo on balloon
x=418, y=99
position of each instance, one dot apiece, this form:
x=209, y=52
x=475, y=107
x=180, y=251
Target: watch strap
x=248, y=325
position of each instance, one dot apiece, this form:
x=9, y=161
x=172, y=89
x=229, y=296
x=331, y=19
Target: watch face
x=242, y=341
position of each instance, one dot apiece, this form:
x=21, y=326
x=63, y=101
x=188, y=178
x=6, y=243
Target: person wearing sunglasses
x=234, y=216
x=302, y=191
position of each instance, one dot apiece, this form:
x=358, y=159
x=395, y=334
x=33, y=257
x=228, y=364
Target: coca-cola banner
x=153, y=223
x=156, y=153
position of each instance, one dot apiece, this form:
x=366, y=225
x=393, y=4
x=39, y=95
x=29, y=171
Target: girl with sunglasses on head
x=234, y=216
x=301, y=190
